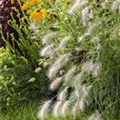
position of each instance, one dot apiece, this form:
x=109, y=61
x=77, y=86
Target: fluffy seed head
x=63, y=94
x=55, y=84
x=75, y=108
x=78, y=93
x=86, y=91
x=77, y=5
x=97, y=70
x=47, y=38
x=47, y=51
x=78, y=79
x=65, y=108
x=59, y=63
x=95, y=116
x=57, y=109
x=64, y=41
x=115, y=5
x=43, y=112
x=53, y=71
x=88, y=66
x=86, y=13
x=70, y=74
x=82, y=105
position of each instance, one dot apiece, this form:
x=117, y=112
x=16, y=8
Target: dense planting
x=66, y=55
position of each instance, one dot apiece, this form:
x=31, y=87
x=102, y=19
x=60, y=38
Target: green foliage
x=29, y=112
x=22, y=78
x=15, y=74
x=105, y=92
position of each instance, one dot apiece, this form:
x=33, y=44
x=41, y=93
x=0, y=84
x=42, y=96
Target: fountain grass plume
x=78, y=79
x=57, y=109
x=59, y=63
x=64, y=41
x=75, y=109
x=90, y=29
x=86, y=90
x=56, y=83
x=78, y=4
x=43, y=112
x=63, y=94
x=82, y=104
x=95, y=116
x=91, y=67
x=47, y=39
x=116, y=5
x=47, y=51
x=70, y=74
x=65, y=108
x=86, y=13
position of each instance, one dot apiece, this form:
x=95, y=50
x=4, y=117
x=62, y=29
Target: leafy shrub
x=22, y=75
x=16, y=74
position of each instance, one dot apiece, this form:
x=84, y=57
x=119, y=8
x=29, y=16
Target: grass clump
x=21, y=70
x=85, y=64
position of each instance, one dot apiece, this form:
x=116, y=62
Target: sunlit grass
x=29, y=112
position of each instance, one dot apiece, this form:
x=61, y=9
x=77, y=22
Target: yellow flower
x=12, y=1
x=28, y=4
x=39, y=15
